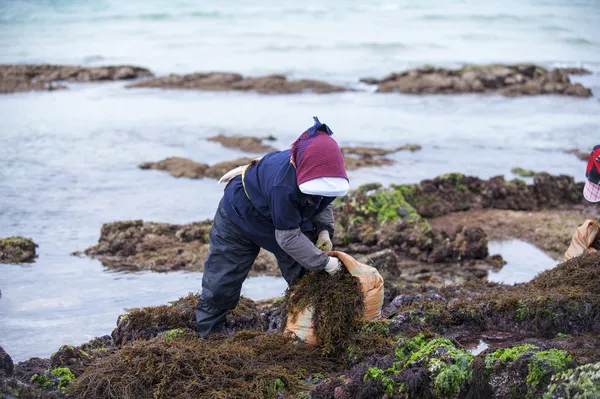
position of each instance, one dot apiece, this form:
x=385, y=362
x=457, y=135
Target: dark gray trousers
x=231, y=256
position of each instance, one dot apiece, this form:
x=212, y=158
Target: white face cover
x=326, y=186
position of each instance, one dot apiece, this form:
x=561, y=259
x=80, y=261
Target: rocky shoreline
x=20, y=78
x=226, y=81
x=160, y=247
x=436, y=231
x=354, y=158
x=508, y=80
x=541, y=339
x=183, y=167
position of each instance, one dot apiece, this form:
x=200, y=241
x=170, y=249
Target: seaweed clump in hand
x=337, y=305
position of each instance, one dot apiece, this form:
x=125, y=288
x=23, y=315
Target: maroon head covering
x=316, y=154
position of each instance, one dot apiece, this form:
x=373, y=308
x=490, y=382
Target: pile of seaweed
x=152, y=321
x=162, y=357
x=249, y=364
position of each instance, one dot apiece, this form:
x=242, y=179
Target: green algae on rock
x=507, y=355
x=582, y=382
x=523, y=172
x=377, y=218
x=449, y=367
x=60, y=378
x=543, y=365
x=78, y=358
x=17, y=250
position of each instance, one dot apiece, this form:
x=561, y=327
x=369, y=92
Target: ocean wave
x=477, y=17
x=340, y=46
x=158, y=16
x=554, y=28
x=578, y=40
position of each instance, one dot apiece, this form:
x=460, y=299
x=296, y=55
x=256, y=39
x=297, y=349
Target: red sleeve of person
x=587, y=238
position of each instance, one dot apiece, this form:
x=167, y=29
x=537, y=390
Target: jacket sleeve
x=286, y=218
x=299, y=247
x=324, y=220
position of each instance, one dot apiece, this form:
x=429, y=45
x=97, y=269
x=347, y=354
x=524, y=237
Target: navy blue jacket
x=275, y=202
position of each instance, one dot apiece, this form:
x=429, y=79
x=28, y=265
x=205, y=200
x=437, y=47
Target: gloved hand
x=324, y=242
x=333, y=265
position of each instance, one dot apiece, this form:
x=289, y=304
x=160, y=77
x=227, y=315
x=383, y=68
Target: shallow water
x=524, y=261
x=71, y=301
x=68, y=159
x=477, y=348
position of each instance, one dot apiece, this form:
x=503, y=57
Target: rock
x=471, y=243
x=152, y=321
x=354, y=163
x=583, y=155
x=497, y=261
x=361, y=157
x=244, y=143
x=25, y=370
x=271, y=312
x=578, y=90
x=78, y=358
x=390, y=226
x=385, y=261
x=178, y=167
x=138, y=245
x=581, y=382
x=455, y=192
x=218, y=170
x=12, y=388
x=386, y=219
x=523, y=172
x=224, y=81
x=215, y=81
x=549, y=230
x=553, y=191
x=182, y=167
x=17, y=250
x=278, y=84
x=377, y=152
x=6, y=364
x=508, y=80
x=575, y=71
x=19, y=78
x=369, y=81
